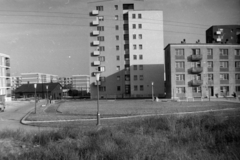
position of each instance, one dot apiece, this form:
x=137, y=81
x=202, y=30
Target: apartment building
x=126, y=48
x=228, y=34
x=66, y=82
x=38, y=78
x=202, y=70
x=5, y=79
x=81, y=83
x=16, y=82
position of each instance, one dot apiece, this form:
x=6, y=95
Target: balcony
x=218, y=32
x=7, y=64
x=127, y=62
x=96, y=63
x=95, y=12
x=197, y=82
x=197, y=69
x=8, y=74
x=218, y=39
x=95, y=33
x=8, y=84
x=95, y=22
x=96, y=43
x=196, y=57
x=96, y=53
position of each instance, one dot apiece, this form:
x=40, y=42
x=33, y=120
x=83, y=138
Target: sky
x=48, y=36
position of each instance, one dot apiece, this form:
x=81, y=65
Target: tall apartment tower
x=126, y=47
x=5, y=79
x=224, y=34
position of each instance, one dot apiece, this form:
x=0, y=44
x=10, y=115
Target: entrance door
x=211, y=91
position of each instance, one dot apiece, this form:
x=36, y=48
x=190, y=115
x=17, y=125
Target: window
x=134, y=57
x=118, y=58
x=141, y=77
x=99, y=8
x=134, y=46
x=224, y=89
x=100, y=28
x=224, y=52
x=140, y=56
x=237, y=64
x=196, y=89
x=101, y=18
x=224, y=64
x=196, y=77
x=237, y=76
x=118, y=88
x=237, y=52
x=117, y=27
x=100, y=38
x=140, y=67
x=209, y=52
x=117, y=38
x=140, y=36
x=118, y=78
x=180, y=77
x=210, y=64
x=180, y=90
x=134, y=26
x=180, y=64
x=140, y=46
x=210, y=77
x=179, y=52
x=196, y=64
x=135, y=77
x=118, y=68
x=126, y=37
x=139, y=26
x=134, y=67
x=101, y=58
x=127, y=78
x=116, y=7
x=224, y=76
x=133, y=16
x=237, y=88
x=125, y=27
x=116, y=17
x=134, y=36
x=117, y=48
x=141, y=88
x=102, y=88
x=196, y=51
x=139, y=16
x=135, y=88
x=101, y=48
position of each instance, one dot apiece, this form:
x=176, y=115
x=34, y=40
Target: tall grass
x=187, y=137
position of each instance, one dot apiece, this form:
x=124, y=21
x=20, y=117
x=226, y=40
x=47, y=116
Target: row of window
x=223, y=76
x=223, y=89
x=125, y=6
x=135, y=88
x=223, y=52
x=140, y=57
x=223, y=64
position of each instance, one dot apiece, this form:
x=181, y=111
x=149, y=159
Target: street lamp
x=152, y=92
x=47, y=93
x=98, y=112
x=35, y=87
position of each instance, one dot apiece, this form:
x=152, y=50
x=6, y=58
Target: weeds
x=186, y=137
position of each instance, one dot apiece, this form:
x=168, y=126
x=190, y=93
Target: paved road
x=15, y=111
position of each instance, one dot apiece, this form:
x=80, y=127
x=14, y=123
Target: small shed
x=43, y=90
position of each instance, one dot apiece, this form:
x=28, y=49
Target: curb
x=23, y=121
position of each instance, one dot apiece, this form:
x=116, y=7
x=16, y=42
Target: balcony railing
x=95, y=22
x=197, y=82
x=196, y=57
x=7, y=64
x=8, y=74
x=96, y=53
x=96, y=43
x=95, y=33
x=95, y=12
x=197, y=69
x=96, y=63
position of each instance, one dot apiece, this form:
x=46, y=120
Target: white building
x=38, y=78
x=80, y=82
x=5, y=79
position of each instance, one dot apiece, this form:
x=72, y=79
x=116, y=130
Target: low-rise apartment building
x=81, y=83
x=38, y=78
x=202, y=70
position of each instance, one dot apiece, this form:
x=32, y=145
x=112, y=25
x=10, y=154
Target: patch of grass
x=166, y=137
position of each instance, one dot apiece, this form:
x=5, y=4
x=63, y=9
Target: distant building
x=5, y=79
x=43, y=90
x=202, y=70
x=126, y=47
x=38, y=78
x=80, y=83
x=66, y=82
x=224, y=34
x=16, y=82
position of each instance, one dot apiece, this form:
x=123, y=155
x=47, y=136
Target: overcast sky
x=47, y=35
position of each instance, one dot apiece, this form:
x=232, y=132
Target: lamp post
x=47, y=93
x=35, y=87
x=98, y=112
x=152, y=92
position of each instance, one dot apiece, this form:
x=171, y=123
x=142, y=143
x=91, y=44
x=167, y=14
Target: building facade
x=126, y=48
x=202, y=70
x=66, y=82
x=16, y=82
x=224, y=34
x=5, y=79
x=38, y=78
x=81, y=83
